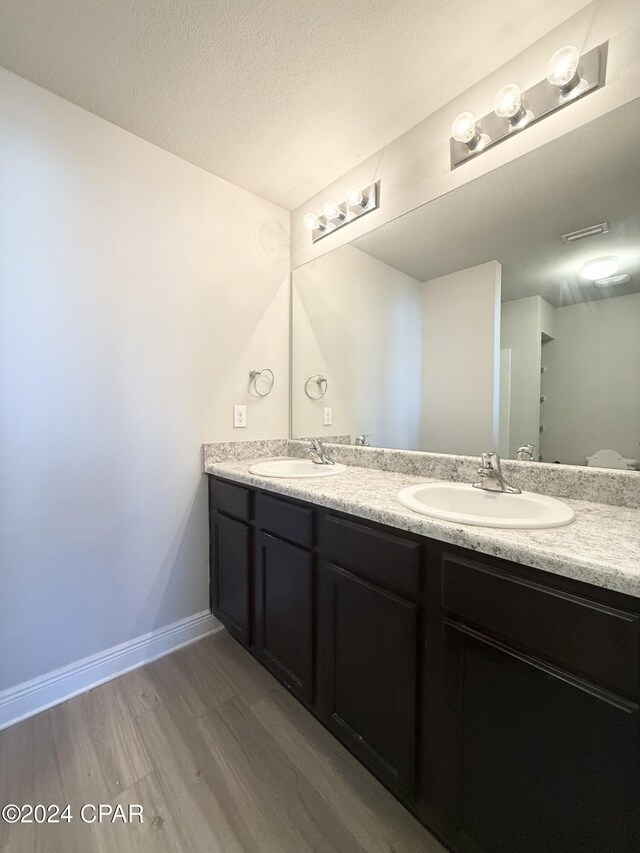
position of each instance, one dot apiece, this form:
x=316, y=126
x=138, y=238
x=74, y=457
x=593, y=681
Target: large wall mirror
x=475, y=323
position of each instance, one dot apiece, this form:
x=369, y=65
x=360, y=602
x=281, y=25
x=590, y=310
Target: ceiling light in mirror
x=600, y=269
x=562, y=68
x=612, y=280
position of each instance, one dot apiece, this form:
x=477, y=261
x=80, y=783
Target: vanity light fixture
x=569, y=76
x=600, y=269
x=358, y=201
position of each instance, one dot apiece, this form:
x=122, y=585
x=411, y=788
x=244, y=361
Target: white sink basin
x=462, y=504
x=295, y=468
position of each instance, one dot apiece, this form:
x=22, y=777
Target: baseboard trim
x=31, y=697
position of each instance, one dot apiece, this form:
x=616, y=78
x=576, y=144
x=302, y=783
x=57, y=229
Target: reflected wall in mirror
x=469, y=323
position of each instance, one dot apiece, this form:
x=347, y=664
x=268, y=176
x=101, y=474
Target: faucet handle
x=490, y=461
x=525, y=452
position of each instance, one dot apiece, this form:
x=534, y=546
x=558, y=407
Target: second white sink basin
x=295, y=468
x=462, y=504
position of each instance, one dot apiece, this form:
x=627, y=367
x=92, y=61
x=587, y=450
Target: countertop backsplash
x=596, y=485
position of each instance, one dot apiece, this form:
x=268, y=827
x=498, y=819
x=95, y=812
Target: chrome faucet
x=317, y=454
x=525, y=453
x=363, y=440
x=491, y=478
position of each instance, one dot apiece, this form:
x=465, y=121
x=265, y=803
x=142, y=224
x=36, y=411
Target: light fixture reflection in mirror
x=600, y=268
x=613, y=280
x=358, y=201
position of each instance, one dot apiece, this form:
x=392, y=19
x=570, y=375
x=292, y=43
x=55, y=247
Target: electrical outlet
x=327, y=416
x=239, y=416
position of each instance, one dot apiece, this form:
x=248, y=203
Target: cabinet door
x=230, y=567
x=532, y=759
x=368, y=676
x=284, y=612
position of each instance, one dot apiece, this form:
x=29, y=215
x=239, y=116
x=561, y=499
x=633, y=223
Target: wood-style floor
x=218, y=754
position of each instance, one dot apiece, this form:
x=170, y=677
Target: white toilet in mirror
x=611, y=459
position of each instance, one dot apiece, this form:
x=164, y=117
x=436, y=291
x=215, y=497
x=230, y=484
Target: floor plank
x=221, y=758
x=98, y=748
x=374, y=816
x=272, y=783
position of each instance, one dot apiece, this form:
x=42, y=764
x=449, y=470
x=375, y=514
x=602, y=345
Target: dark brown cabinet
x=368, y=642
x=284, y=612
x=532, y=759
x=230, y=578
x=498, y=702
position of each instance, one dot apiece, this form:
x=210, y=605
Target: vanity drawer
x=379, y=557
x=590, y=639
x=230, y=499
x=285, y=519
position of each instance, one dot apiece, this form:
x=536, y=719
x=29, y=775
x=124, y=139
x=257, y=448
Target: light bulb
x=353, y=196
x=508, y=102
x=463, y=128
x=562, y=68
x=311, y=221
x=602, y=268
x=331, y=210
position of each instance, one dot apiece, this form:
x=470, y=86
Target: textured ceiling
x=280, y=97
x=517, y=214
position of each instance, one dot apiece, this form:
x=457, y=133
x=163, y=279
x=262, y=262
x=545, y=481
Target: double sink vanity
x=468, y=629
x=489, y=503
x=487, y=674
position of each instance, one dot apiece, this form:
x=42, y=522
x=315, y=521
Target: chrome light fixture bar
x=357, y=202
x=569, y=77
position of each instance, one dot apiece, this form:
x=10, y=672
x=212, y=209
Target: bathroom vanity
x=497, y=701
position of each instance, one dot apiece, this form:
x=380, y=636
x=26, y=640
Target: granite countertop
x=601, y=547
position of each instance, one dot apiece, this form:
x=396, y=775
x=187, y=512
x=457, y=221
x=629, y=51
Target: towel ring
x=254, y=376
x=322, y=384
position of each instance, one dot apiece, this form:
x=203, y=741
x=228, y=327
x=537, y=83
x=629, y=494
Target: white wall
x=415, y=168
x=137, y=292
x=592, y=382
x=357, y=321
x=461, y=361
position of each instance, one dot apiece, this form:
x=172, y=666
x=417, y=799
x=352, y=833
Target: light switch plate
x=239, y=416
x=327, y=416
